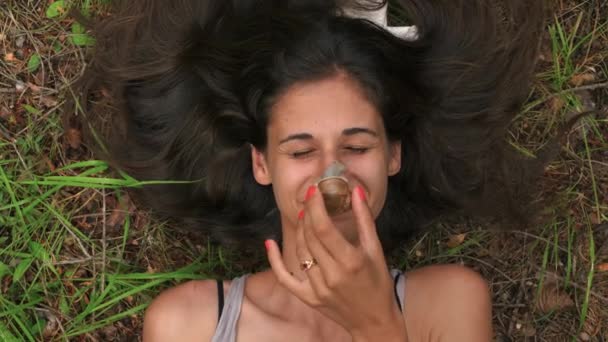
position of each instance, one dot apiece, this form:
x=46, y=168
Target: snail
x=335, y=189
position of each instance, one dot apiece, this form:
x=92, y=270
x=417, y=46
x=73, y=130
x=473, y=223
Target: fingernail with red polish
x=267, y=244
x=361, y=192
x=310, y=192
x=301, y=214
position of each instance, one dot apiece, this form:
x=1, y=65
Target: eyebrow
x=348, y=132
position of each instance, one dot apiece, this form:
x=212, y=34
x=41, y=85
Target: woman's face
x=315, y=123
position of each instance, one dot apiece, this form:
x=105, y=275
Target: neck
x=281, y=297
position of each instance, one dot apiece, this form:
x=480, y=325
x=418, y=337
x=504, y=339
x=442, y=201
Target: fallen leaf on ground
x=52, y=325
x=33, y=87
x=552, y=298
x=580, y=79
x=10, y=57
x=49, y=163
x=48, y=101
x=595, y=218
x=73, y=137
x=603, y=267
x=528, y=329
x=556, y=104
x=4, y=113
x=456, y=240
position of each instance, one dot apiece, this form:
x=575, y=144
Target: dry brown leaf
x=52, y=325
x=580, y=79
x=33, y=87
x=49, y=163
x=4, y=113
x=528, y=329
x=602, y=267
x=84, y=225
x=48, y=101
x=105, y=93
x=595, y=318
x=552, y=298
x=123, y=208
x=117, y=216
x=595, y=218
x=456, y=240
x=556, y=104
x=73, y=137
x=10, y=57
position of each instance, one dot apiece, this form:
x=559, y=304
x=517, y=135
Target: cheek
x=378, y=195
x=286, y=186
x=374, y=176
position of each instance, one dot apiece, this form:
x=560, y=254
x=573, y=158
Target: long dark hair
x=189, y=84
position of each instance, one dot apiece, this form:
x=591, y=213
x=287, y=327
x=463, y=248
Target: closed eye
x=352, y=149
x=357, y=150
x=300, y=154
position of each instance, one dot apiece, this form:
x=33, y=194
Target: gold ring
x=308, y=264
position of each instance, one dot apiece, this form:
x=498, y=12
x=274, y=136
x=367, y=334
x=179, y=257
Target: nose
x=333, y=168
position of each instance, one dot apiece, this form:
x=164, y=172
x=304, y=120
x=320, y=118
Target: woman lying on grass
x=253, y=100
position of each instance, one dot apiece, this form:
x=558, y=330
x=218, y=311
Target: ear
x=260, y=167
x=394, y=164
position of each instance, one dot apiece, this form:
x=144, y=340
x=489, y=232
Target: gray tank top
x=231, y=309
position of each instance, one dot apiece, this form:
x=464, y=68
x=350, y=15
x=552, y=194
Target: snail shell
x=336, y=194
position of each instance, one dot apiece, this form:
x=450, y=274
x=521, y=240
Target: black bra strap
x=220, y=297
x=396, y=295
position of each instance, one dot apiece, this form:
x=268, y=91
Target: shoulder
x=447, y=299
x=187, y=312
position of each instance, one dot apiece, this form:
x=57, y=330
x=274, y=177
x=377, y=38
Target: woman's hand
x=351, y=284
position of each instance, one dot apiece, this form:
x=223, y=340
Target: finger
x=302, y=250
x=327, y=269
x=326, y=232
x=299, y=288
x=366, y=226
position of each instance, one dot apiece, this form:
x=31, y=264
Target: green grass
x=65, y=273
x=57, y=279
x=566, y=44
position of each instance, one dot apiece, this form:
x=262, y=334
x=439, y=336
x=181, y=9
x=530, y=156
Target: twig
x=581, y=88
x=515, y=312
x=69, y=230
x=72, y=261
x=509, y=306
x=103, y=242
x=567, y=91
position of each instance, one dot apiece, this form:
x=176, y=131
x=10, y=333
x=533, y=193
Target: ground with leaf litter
x=78, y=261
